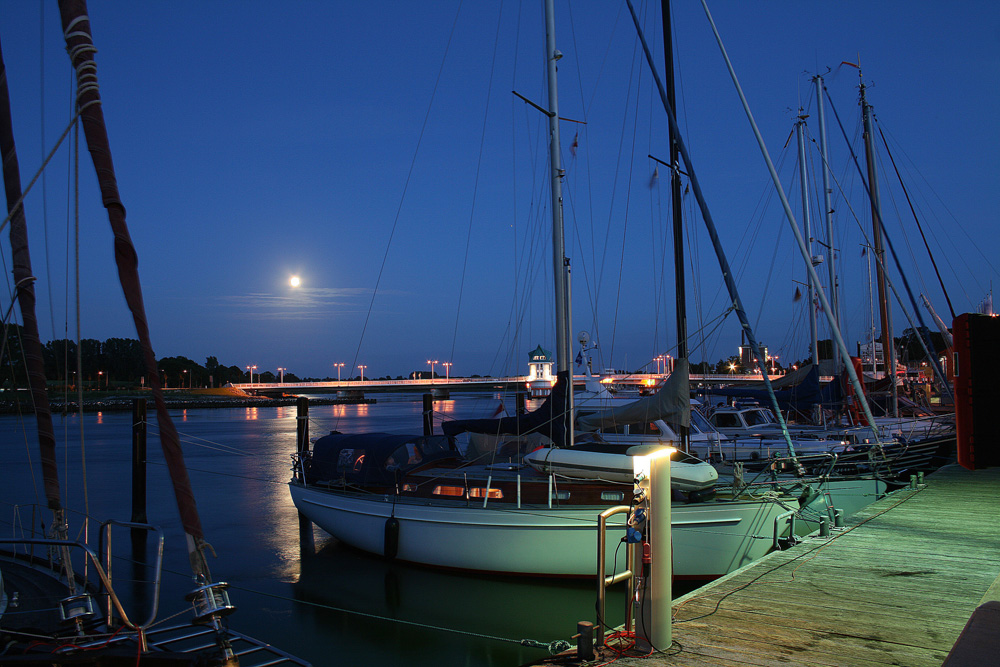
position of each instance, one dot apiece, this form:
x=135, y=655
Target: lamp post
x=281, y=374
x=431, y=363
x=186, y=376
x=164, y=378
x=100, y=375
x=362, y=367
x=339, y=366
x=447, y=370
x=251, y=369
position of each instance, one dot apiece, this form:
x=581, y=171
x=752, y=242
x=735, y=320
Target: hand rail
x=604, y=581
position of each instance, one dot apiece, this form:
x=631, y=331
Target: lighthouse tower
x=540, y=379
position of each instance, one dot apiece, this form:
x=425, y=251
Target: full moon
x=294, y=281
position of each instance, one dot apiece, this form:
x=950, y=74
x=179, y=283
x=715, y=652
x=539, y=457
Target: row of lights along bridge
x=281, y=371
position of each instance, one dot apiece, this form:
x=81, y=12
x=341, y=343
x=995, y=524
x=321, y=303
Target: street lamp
x=732, y=368
x=281, y=373
x=362, y=367
x=99, y=377
x=251, y=369
x=432, y=368
x=186, y=376
x=447, y=370
x=339, y=366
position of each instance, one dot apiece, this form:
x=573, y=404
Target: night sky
x=375, y=150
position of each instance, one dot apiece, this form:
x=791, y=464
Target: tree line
x=115, y=362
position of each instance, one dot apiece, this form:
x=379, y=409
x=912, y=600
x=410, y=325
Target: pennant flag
x=798, y=295
x=579, y=358
x=655, y=177
x=499, y=411
x=864, y=250
x=575, y=144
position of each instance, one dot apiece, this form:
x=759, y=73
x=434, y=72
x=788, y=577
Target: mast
x=560, y=263
x=807, y=229
x=888, y=350
x=680, y=289
x=828, y=211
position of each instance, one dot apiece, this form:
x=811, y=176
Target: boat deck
x=896, y=586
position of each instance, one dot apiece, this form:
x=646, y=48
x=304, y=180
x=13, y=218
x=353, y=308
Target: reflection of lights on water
x=251, y=414
x=362, y=409
x=100, y=417
x=184, y=415
x=445, y=406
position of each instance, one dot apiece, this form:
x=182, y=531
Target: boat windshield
x=758, y=417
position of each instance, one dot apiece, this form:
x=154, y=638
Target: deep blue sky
x=254, y=141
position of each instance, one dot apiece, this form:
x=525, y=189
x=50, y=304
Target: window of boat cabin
x=350, y=461
x=755, y=417
x=645, y=428
x=726, y=420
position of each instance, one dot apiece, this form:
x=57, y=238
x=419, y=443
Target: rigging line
x=628, y=190
x=930, y=187
x=554, y=645
x=79, y=351
x=13, y=209
x=226, y=474
x=406, y=184
x=916, y=219
x=874, y=258
x=45, y=197
x=924, y=331
x=475, y=189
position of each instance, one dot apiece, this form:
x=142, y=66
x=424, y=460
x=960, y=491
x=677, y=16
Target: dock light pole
x=339, y=366
x=432, y=369
x=447, y=370
x=362, y=367
x=651, y=518
x=281, y=374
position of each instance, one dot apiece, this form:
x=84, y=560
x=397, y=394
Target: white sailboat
x=422, y=500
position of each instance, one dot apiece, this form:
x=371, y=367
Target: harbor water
x=322, y=601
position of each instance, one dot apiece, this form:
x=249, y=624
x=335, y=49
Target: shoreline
x=121, y=402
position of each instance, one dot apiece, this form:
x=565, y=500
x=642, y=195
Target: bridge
x=442, y=386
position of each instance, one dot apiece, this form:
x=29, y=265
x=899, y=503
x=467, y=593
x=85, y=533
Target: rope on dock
x=553, y=647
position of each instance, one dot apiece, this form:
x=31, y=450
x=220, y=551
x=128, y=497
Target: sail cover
x=547, y=419
x=672, y=404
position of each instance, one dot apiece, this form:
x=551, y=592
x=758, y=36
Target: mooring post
x=302, y=425
x=585, y=638
x=139, y=461
x=306, y=544
x=428, y=414
x=519, y=407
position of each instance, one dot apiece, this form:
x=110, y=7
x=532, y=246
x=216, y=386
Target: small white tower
x=540, y=378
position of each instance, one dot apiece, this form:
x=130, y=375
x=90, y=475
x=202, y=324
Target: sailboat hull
x=709, y=539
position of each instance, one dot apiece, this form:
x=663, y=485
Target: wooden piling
x=139, y=461
x=428, y=414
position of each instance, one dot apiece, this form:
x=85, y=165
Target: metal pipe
x=603, y=581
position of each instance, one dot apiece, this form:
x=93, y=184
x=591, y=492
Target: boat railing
x=78, y=605
x=604, y=580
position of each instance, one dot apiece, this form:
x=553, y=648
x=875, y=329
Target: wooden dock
x=896, y=586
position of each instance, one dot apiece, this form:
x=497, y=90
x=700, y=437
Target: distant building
x=540, y=378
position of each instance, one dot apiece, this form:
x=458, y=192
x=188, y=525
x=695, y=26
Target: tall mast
x=807, y=229
x=675, y=206
x=560, y=263
x=888, y=350
x=828, y=212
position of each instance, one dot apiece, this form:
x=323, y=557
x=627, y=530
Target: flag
x=575, y=144
x=499, y=411
x=864, y=250
x=655, y=177
x=579, y=358
x=798, y=294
